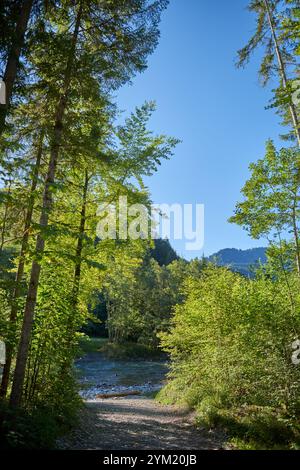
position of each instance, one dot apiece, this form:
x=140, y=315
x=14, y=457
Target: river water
x=97, y=374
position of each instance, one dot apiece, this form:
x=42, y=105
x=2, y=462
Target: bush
x=39, y=425
x=129, y=350
x=230, y=344
x=20, y=429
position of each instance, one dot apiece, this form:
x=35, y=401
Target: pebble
x=91, y=392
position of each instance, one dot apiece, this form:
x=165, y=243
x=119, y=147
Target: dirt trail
x=136, y=423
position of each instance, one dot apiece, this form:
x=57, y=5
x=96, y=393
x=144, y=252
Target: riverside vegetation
x=229, y=337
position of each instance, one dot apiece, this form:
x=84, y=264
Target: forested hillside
x=242, y=261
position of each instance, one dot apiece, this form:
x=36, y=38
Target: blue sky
x=216, y=110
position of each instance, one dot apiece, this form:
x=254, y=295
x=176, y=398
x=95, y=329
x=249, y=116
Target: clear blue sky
x=217, y=111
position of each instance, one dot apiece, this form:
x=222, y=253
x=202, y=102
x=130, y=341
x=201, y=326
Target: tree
x=273, y=32
x=271, y=204
x=21, y=265
x=230, y=348
x=13, y=56
x=163, y=252
x=123, y=35
x=47, y=204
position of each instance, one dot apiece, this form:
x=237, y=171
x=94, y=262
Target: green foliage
x=231, y=344
x=270, y=207
x=88, y=344
x=140, y=300
x=36, y=429
x=130, y=351
x=277, y=35
x=230, y=337
x=4, y=307
x=125, y=350
x=251, y=427
x=270, y=193
x=61, y=123
x=163, y=252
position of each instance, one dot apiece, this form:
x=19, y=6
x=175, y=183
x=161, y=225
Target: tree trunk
x=17, y=388
x=282, y=70
x=14, y=58
x=77, y=270
x=20, y=270
x=5, y=218
x=70, y=327
x=296, y=238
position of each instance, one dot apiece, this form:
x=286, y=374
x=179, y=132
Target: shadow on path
x=136, y=423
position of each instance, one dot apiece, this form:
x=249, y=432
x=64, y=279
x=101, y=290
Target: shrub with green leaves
x=230, y=343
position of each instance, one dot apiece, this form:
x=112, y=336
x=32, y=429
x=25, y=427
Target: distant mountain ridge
x=239, y=260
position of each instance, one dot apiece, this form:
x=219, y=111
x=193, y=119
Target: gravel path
x=136, y=423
